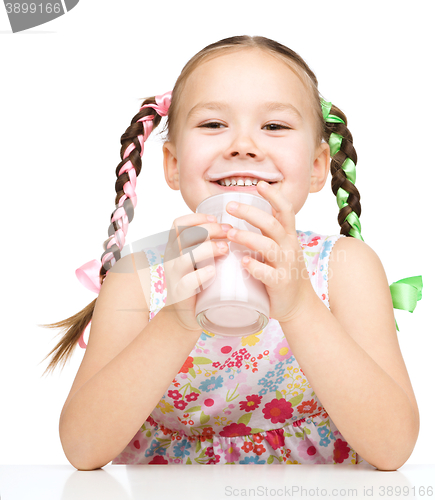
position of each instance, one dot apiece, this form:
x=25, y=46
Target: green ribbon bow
x=405, y=293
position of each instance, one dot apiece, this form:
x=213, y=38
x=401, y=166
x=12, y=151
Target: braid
x=126, y=172
x=132, y=142
x=343, y=162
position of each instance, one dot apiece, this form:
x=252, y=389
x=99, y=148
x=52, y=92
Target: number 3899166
x=33, y=8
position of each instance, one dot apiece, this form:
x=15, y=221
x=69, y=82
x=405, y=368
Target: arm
x=352, y=358
x=122, y=377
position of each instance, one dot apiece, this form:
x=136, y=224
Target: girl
x=325, y=382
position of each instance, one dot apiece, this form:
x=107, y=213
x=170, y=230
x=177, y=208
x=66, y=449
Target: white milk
x=235, y=303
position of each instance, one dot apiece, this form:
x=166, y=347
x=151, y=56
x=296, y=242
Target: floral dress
x=241, y=400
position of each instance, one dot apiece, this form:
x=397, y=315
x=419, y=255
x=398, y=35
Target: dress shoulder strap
x=317, y=250
x=158, y=291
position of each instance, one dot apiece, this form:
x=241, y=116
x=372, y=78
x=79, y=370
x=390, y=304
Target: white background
x=70, y=88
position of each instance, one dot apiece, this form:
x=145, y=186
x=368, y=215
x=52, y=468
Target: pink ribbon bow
x=162, y=103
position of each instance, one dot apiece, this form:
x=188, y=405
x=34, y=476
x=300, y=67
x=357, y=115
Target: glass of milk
x=234, y=303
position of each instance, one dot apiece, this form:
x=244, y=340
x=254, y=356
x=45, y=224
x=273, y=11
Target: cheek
x=295, y=166
x=196, y=157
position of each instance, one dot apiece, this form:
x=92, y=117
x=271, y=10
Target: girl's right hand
x=189, y=263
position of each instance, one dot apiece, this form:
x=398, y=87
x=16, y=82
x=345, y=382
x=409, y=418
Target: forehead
x=246, y=75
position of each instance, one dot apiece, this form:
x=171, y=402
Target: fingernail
x=233, y=206
x=232, y=233
x=211, y=218
x=221, y=245
x=226, y=227
x=264, y=184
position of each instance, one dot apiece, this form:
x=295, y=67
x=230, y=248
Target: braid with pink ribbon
x=92, y=274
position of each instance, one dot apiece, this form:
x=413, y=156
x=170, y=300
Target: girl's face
x=242, y=112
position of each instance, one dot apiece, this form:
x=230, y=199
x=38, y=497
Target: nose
x=243, y=146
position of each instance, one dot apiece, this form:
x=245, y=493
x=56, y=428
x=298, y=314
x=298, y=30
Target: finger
x=192, y=241
x=186, y=221
x=190, y=284
x=268, y=275
x=205, y=254
x=268, y=224
x=282, y=208
x=191, y=236
x=264, y=248
x=193, y=258
x=182, y=238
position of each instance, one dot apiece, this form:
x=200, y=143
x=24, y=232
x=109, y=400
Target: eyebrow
x=212, y=105
x=282, y=106
x=222, y=106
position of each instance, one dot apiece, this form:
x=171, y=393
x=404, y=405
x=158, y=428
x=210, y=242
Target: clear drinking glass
x=234, y=303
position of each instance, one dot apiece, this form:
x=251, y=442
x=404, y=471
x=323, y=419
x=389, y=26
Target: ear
x=170, y=166
x=320, y=170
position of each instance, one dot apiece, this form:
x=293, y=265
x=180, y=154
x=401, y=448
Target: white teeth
x=233, y=181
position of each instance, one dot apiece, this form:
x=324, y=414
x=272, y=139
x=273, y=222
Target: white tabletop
x=159, y=482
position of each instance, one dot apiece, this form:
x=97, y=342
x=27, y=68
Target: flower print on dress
x=259, y=449
x=252, y=460
x=341, y=451
x=213, y=403
x=314, y=242
x=326, y=249
x=164, y=407
x=211, y=384
x=180, y=404
x=224, y=345
x=234, y=429
x=176, y=394
x=155, y=447
x=307, y=407
x=181, y=448
x=307, y=450
x=232, y=453
x=282, y=351
x=251, y=340
x=278, y=410
x=192, y=396
x=152, y=257
x=207, y=433
x=251, y=403
x=187, y=364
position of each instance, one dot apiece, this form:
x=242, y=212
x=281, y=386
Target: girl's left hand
x=283, y=272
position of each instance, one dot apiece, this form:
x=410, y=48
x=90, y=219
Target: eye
x=212, y=125
x=276, y=126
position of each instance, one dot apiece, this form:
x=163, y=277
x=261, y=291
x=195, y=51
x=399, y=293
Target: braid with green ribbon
x=404, y=293
x=343, y=162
